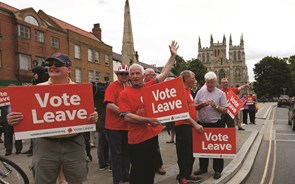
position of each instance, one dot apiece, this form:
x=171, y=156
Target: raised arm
x=168, y=66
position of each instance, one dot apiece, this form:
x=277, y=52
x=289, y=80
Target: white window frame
x=78, y=75
x=91, y=76
x=77, y=52
x=97, y=75
x=31, y=20
x=23, y=31
x=90, y=55
x=107, y=60
x=96, y=57
x=39, y=36
x=24, y=62
x=54, y=42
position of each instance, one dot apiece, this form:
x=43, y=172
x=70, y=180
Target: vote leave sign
x=234, y=104
x=166, y=101
x=4, y=98
x=51, y=110
x=215, y=143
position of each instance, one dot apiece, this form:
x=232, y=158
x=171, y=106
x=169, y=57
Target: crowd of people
x=127, y=139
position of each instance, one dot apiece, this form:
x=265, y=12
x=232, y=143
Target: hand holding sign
x=14, y=118
x=154, y=122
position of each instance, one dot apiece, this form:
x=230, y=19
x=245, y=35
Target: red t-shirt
x=191, y=109
x=114, y=121
x=131, y=102
x=235, y=90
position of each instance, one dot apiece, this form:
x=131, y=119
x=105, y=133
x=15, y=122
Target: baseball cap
x=122, y=69
x=60, y=57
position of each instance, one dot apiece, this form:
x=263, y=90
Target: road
x=275, y=163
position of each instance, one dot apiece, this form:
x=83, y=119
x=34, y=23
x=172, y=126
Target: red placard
x=51, y=110
x=4, y=98
x=234, y=104
x=215, y=143
x=166, y=101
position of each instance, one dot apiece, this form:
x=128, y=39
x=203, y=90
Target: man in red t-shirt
x=142, y=131
x=116, y=127
x=183, y=130
x=225, y=88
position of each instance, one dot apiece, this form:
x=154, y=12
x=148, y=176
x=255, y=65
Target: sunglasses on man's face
x=122, y=73
x=57, y=64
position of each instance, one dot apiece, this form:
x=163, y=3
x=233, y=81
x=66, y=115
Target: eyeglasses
x=57, y=64
x=123, y=74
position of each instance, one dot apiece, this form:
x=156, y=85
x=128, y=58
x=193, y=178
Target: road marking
x=274, y=162
x=268, y=154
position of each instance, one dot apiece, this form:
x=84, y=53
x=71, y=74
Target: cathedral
x=215, y=59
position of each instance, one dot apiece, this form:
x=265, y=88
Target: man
x=116, y=127
x=56, y=152
x=183, y=130
x=142, y=131
x=211, y=103
x=225, y=88
x=194, y=89
x=150, y=74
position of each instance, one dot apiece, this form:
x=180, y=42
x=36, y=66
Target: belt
x=63, y=139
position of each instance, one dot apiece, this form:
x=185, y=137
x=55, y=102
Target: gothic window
x=221, y=61
x=207, y=57
x=237, y=73
x=218, y=52
x=239, y=55
x=235, y=56
x=203, y=57
x=215, y=53
x=221, y=75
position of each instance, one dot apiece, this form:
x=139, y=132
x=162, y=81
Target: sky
x=266, y=25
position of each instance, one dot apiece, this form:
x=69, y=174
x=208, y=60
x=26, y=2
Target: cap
x=63, y=58
x=122, y=69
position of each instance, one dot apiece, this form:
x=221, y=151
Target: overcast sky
x=266, y=25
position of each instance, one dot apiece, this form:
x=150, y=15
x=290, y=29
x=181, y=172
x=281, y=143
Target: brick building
x=28, y=37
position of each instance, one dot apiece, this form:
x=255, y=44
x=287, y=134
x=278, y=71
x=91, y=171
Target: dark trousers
x=118, y=142
x=8, y=138
x=159, y=161
x=230, y=123
x=143, y=161
x=103, y=150
x=218, y=163
x=252, y=113
x=86, y=136
x=245, y=116
x=184, y=150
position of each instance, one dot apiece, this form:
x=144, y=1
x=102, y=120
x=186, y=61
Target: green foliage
x=272, y=74
x=194, y=65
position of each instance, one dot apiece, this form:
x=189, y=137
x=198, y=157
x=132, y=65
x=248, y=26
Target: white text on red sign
x=216, y=146
x=165, y=95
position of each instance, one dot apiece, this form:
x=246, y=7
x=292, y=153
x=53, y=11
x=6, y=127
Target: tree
x=179, y=65
x=292, y=79
x=196, y=66
x=271, y=75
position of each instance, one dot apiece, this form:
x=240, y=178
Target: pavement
x=235, y=170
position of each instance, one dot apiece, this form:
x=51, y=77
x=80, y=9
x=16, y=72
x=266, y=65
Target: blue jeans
x=118, y=142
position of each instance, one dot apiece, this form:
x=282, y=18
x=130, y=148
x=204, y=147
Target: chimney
x=96, y=31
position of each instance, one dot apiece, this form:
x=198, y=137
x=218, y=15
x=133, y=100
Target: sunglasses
x=123, y=74
x=57, y=64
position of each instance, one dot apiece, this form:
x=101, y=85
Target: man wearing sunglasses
x=56, y=152
x=116, y=127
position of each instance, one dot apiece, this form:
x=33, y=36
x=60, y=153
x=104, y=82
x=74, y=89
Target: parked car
x=284, y=100
x=291, y=115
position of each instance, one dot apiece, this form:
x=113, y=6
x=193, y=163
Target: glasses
x=58, y=64
x=123, y=74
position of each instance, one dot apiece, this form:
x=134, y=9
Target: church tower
x=215, y=59
x=128, y=52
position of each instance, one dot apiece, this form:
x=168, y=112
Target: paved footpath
x=168, y=152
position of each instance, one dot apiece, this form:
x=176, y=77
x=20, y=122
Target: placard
x=166, y=101
x=51, y=110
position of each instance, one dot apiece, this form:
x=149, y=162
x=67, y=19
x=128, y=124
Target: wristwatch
x=216, y=107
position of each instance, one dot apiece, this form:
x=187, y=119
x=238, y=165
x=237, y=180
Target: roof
x=8, y=7
x=68, y=26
